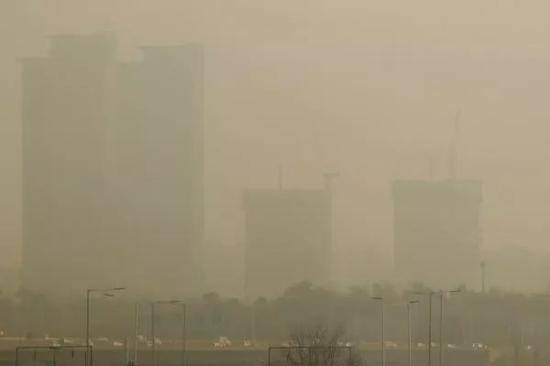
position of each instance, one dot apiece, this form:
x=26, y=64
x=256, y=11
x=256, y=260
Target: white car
x=479, y=346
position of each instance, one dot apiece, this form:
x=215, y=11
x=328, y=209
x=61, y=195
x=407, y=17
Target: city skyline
x=291, y=182
x=127, y=72
x=340, y=96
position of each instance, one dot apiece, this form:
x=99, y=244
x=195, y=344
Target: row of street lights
x=410, y=303
x=109, y=293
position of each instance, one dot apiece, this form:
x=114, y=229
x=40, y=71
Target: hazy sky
x=368, y=88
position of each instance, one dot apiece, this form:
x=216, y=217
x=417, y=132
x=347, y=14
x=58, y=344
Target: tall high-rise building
x=437, y=232
x=112, y=167
x=288, y=239
x=160, y=181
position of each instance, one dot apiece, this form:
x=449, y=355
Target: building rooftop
x=422, y=189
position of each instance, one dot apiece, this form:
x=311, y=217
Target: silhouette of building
x=162, y=130
x=437, y=232
x=112, y=167
x=288, y=239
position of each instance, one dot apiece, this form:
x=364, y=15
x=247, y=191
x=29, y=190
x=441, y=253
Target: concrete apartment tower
x=112, y=168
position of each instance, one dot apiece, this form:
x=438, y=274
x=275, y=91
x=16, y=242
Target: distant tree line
x=494, y=318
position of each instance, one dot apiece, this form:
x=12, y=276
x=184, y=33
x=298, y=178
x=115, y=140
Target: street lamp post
x=409, y=327
x=382, y=341
x=441, y=296
x=137, y=321
x=429, y=346
x=184, y=329
x=441, y=328
x=184, y=334
x=153, y=344
x=430, y=294
x=88, y=295
x=253, y=324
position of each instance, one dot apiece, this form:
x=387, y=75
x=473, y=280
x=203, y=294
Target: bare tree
x=319, y=346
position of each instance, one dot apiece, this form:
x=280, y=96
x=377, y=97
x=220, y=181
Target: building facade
x=437, y=233
x=112, y=167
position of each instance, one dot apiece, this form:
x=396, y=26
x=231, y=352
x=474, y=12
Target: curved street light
x=409, y=327
x=89, y=291
x=382, y=341
x=430, y=294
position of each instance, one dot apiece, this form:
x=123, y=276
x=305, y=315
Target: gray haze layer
x=367, y=88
